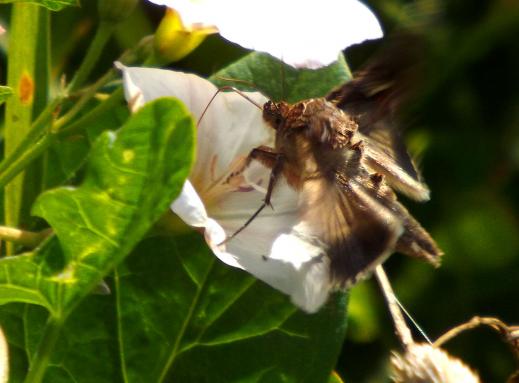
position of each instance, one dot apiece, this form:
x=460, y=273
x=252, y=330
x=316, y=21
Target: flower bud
x=174, y=40
x=115, y=11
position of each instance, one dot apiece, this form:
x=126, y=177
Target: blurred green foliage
x=464, y=126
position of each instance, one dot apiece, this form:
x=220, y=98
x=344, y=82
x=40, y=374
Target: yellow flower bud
x=174, y=40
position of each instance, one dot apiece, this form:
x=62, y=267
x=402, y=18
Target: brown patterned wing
x=415, y=241
x=359, y=233
x=372, y=99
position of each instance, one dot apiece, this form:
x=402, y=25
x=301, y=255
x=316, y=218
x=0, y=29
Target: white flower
x=271, y=247
x=302, y=33
x=4, y=358
x=423, y=363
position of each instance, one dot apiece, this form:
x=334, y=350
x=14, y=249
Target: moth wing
x=415, y=241
x=373, y=99
x=387, y=154
x=358, y=232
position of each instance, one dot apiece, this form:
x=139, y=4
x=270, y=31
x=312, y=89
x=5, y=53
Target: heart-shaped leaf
x=275, y=79
x=133, y=175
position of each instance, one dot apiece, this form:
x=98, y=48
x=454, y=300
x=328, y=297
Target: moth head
x=274, y=113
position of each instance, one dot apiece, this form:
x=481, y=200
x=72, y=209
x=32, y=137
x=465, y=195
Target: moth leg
x=263, y=154
x=273, y=160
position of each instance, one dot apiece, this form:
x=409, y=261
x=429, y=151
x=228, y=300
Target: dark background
x=463, y=127
x=465, y=132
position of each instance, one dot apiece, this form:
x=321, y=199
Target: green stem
x=30, y=150
x=21, y=64
x=103, y=33
x=33, y=152
x=37, y=129
x=86, y=96
x=41, y=357
x=80, y=124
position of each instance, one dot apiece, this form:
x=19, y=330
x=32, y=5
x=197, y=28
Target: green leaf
x=12, y=323
x=184, y=316
x=68, y=154
x=132, y=177
x=86, y=351
x=335, y=378
x=279, y=81
x=5, y=93
x=53, y=5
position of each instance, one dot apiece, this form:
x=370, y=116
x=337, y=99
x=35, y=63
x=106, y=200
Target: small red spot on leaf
x=26, y=89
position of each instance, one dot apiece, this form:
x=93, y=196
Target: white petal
x=273, y=247
x=190, y=207
x=229, y=129
x=214, y=235
x=303, y=33
x=310, y=284
x=4, y=358
x=292, y=265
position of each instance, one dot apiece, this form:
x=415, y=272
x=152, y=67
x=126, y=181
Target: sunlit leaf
x=261, y=72
x=53, y=5
x=132, y=177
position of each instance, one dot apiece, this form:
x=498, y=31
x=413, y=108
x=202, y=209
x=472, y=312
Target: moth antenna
x=283, y=82
x=415, y=324
x=237, y=80
x=227, y=87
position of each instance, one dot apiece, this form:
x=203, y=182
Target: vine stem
x=31, y=150
x=26, y=158
x=41, y=357
x=113, y=100
x=103, y=33
x=36, y=130
x=23, y=237
x=28, y=47
x=85, y=97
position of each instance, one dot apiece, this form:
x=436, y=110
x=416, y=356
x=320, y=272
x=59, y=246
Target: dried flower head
x=424, y=363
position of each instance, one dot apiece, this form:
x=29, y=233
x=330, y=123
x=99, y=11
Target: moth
x=346, y=158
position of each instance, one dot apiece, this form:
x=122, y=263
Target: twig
x=509, y=333
x=401, y=329
x=26, y=238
